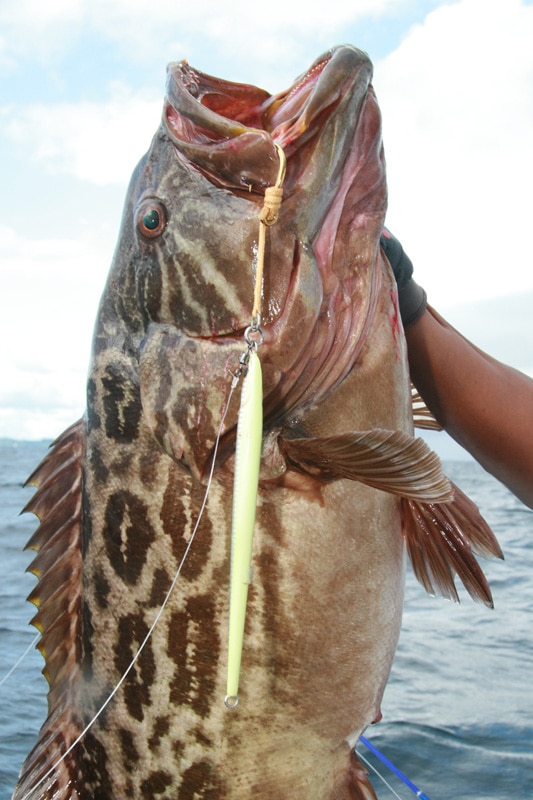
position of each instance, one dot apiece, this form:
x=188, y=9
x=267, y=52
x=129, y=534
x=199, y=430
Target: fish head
x=198, y=193
x=187, y=258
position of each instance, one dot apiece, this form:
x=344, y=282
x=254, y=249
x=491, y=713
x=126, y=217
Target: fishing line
x=418, y=792
x=380, y=776
x=23, y=656
x=54, y=767
x=267, y=217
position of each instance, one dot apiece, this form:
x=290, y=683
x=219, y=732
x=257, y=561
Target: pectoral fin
x=389, y=460
x=441, y=541
x=442, y=527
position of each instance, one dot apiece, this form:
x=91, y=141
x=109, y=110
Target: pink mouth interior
x=227, y=131
x=250, y=106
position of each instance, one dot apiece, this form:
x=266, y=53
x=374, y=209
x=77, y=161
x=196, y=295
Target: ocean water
x=458, y=710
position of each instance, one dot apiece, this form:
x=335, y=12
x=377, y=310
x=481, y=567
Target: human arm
x=486, y=406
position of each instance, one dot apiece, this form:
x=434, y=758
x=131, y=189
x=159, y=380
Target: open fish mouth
x=229, y=131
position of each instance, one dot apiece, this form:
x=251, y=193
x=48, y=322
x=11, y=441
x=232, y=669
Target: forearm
x=483, y=404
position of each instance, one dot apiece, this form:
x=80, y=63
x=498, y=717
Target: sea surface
x=458, y=710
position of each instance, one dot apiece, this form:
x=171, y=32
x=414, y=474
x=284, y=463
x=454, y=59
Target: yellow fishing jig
x=247, y=458
x=248, y=454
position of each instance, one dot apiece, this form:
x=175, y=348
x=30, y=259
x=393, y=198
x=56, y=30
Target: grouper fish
x=345, y=489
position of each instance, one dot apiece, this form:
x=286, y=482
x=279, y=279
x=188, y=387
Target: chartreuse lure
x=248, y=452
x=247, y=458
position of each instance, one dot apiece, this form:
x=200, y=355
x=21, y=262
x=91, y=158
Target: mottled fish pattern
x=343, y=486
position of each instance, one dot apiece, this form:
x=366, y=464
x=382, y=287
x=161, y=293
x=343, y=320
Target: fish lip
x=293, y=113
x=315, y=121
x=231, y=149
x=228, y=129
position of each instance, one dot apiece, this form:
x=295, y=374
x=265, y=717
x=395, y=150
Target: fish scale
x=342, y=480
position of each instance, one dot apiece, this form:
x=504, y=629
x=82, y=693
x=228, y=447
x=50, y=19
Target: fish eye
x=151, y=219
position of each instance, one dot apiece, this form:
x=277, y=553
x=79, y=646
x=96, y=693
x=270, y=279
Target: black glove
x=412, y=298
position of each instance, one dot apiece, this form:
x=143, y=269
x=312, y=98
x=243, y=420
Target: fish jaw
x=228, y=132
x=320, y=279
x=228, y=129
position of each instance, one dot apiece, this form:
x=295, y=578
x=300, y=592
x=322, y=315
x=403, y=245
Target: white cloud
x=50, y=292
x=241, y=31
x=457, y=101
x=45, y=14
x=135, y=21
x=36, y=423
x=42, y=29
x=500, y=326
x=95, y=142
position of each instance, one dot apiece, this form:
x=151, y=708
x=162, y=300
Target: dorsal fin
x=422, y=416
x=442, y=527
x=57, y=595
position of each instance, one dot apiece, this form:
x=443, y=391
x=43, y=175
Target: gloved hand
x=412, y=298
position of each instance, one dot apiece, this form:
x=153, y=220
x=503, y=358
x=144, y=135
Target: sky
x=81, y=93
